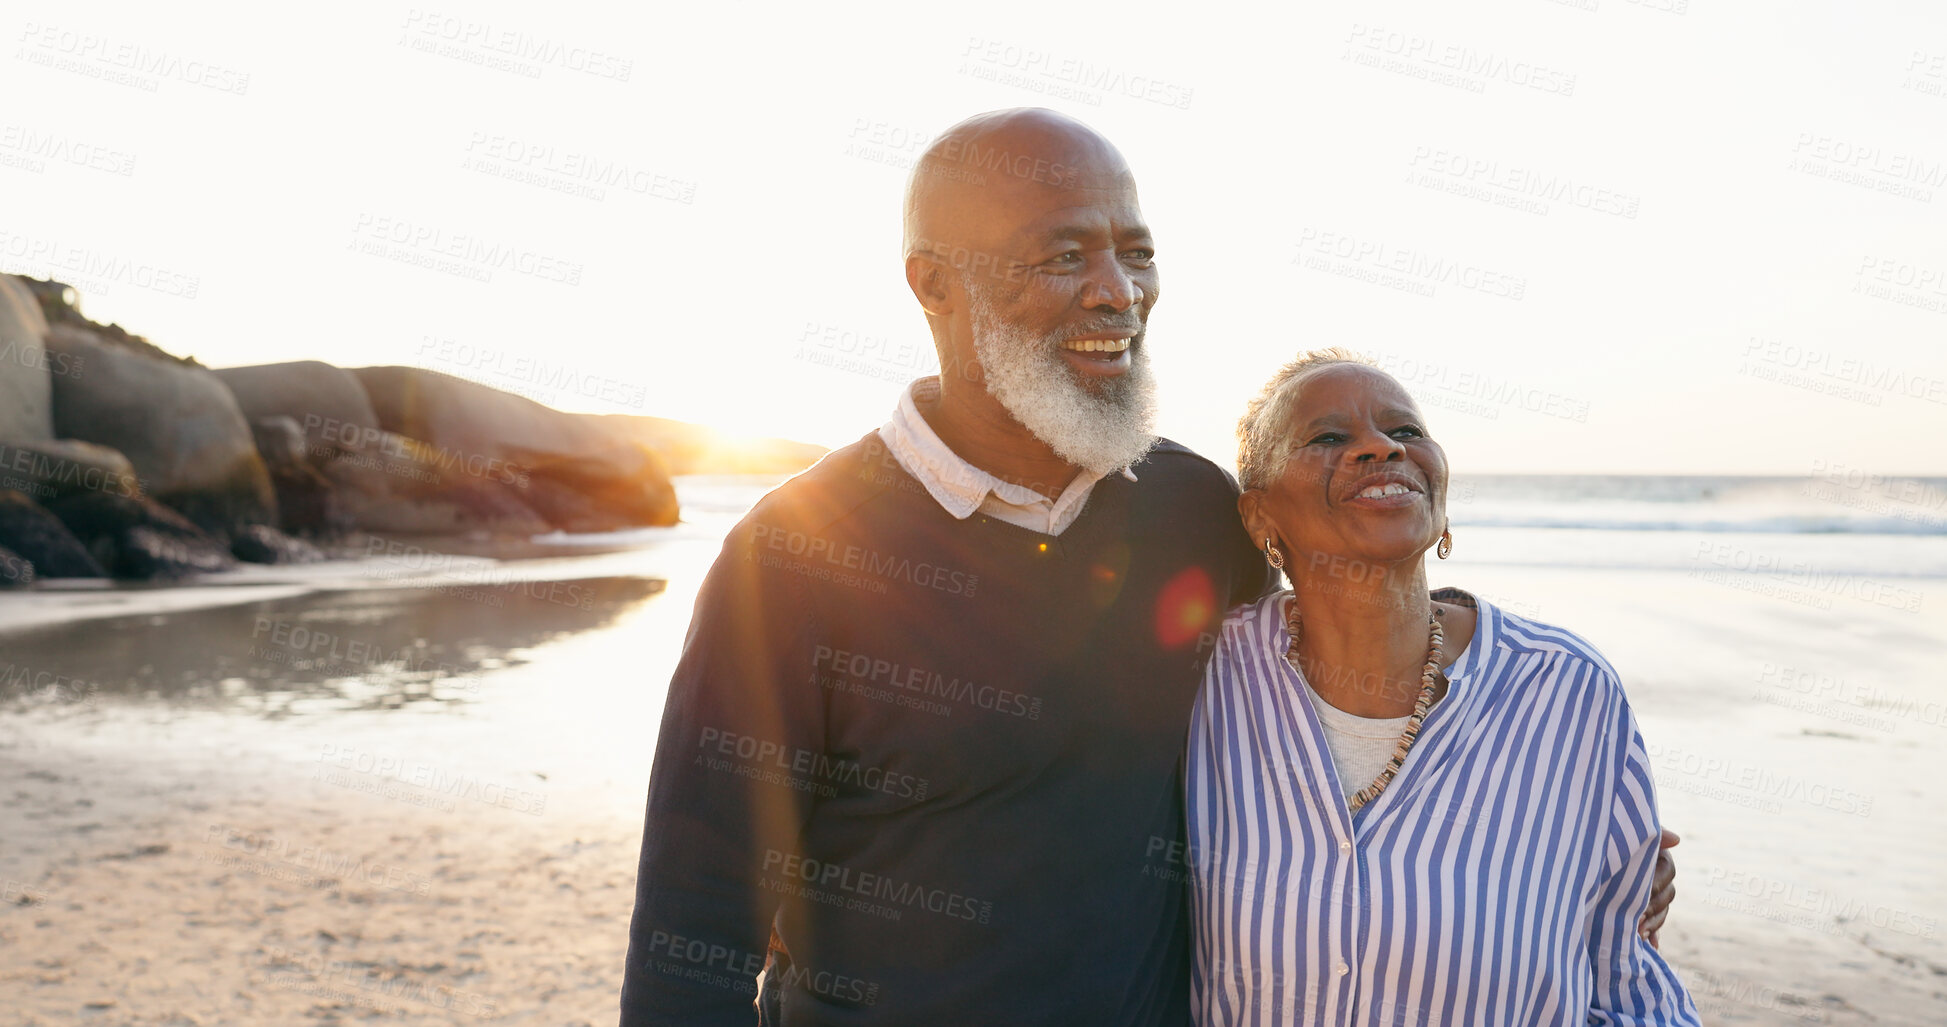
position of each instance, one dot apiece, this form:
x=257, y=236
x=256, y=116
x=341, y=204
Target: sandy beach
x=326, y=799
x=269, y=829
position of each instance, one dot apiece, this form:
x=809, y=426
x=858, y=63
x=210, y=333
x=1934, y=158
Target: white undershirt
x=1360, y=746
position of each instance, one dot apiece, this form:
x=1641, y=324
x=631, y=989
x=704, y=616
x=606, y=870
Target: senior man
x=920, y=759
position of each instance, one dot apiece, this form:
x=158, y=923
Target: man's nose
x=1111, y=287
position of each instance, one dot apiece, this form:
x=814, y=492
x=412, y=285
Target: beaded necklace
x=1434, y=637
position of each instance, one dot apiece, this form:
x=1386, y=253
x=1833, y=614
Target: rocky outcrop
x=475, y=427
x=407, y=451
x=303, y=492
x=549, y=459
x=30, y=531
x=15, y=570
x=326, y=402
x=61, y=304
x=585, y=495
x=137, y=537
x=138, y=463
x=399, y=485
x=25, y=386
x=280, y=445
x=261, y=543
x=177, y=423
x=566, y=509
x=150, y=553
x=59, y=467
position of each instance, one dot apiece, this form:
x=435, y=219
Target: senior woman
x=1405, y=808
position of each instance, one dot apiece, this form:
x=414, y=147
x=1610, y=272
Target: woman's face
x=1364, y=480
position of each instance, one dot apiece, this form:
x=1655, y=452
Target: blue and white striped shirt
x=1498, y=879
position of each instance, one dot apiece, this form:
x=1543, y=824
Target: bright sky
x=1591, y=236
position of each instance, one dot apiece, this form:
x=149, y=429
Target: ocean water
x=1840, y=521
x=1840, y=501
x=1831, y=532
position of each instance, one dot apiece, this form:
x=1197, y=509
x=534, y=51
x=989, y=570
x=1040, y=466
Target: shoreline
x=372, y=561
x=406, y=562
x=392, y=560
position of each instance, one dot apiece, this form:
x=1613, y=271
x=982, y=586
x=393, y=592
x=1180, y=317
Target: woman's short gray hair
x=1264, y=438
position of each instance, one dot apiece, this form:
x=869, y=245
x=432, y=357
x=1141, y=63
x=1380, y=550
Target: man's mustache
x=1119, y=326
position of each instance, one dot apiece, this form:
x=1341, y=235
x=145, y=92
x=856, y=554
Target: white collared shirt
x=961, y=488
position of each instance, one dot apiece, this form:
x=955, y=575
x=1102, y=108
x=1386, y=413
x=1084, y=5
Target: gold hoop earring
x=1271, y=553
x=1446, y=545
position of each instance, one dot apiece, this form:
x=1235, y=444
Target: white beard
x=1104, y=431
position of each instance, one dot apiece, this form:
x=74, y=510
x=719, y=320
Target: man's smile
x=1101, y=357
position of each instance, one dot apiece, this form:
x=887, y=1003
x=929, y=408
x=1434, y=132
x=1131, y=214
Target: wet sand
x=208, y=825
x=327, y=808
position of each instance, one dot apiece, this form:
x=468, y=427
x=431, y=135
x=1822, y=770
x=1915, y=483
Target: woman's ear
x=1257, y=521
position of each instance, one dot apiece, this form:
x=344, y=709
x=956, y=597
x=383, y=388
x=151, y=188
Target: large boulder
x=147, y=553
x=326, y=402
x=280, y=445
x=566, y=508
x=584, y=495
x=261, y=543
x=58, y=301
x=475, y=425
x=397, y=485
x=15, y=570
x=25, y=385
x=483, y=433
x=137, y=537
x=303, y=492
x=177, y=423
x=59, y=467
x=61, y=305
x=29, y=530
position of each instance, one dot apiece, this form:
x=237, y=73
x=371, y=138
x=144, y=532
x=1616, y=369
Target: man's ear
x=928, y=280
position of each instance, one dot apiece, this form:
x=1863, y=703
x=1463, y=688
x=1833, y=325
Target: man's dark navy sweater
x=940, y=758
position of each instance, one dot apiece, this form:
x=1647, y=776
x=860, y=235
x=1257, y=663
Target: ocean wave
x=1709, y=521
x=1838, y=503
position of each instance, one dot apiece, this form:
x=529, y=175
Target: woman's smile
x=1385, y=490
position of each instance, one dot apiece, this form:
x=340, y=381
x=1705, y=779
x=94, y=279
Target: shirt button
x=1343, y=969
x=1345, y=846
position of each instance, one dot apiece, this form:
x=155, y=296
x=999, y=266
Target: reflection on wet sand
x=358, y=649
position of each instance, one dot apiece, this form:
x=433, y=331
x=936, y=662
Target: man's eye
x=1140, y=256
x=1067, y=258
x=1325, y=438
x=1411, y=431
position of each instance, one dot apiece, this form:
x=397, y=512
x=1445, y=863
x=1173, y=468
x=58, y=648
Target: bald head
x=976, y=178
x=1026, y=248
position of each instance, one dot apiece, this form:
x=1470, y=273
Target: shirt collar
x=955, y=484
